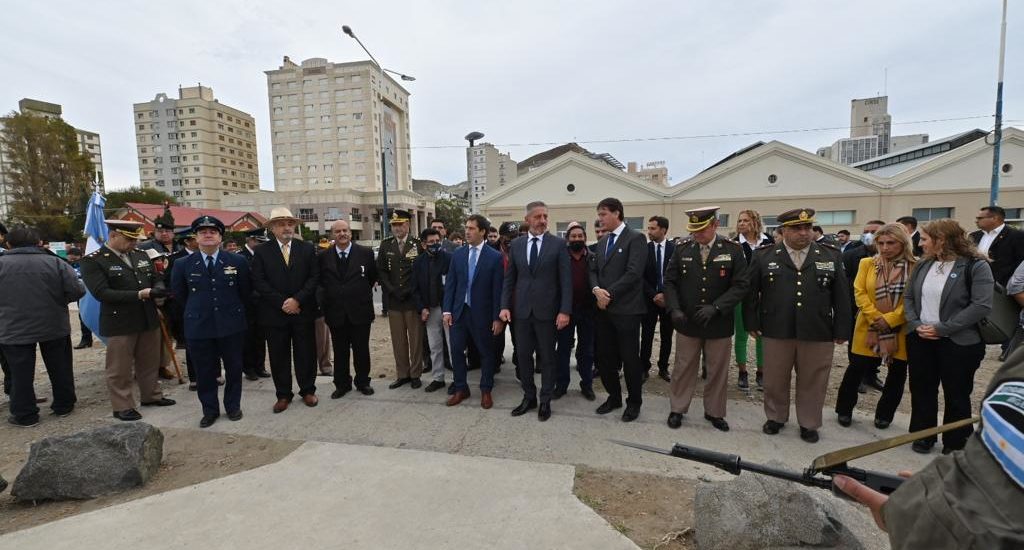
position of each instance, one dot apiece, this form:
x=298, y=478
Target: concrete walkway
x=413, y=419
x=327, y=495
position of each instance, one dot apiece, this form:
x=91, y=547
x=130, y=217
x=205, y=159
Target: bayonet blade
x=641, y=446
x=843, y=456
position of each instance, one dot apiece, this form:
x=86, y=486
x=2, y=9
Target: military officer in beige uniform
x=394, y=266
x=127, y=286
x=704, y=281
x=799, y=302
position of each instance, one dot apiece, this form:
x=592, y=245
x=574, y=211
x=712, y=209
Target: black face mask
x=577, y=246
x=433, y=249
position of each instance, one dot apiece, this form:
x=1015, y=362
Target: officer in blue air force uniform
x=214, y=287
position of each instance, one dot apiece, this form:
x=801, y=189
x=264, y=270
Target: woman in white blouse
x=950, y=291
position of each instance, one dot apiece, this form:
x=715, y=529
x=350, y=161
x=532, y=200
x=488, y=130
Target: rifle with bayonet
x=823, y=469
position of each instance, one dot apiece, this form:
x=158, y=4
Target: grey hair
x=535, y=204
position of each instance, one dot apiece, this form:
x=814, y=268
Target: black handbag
x=1000, y=323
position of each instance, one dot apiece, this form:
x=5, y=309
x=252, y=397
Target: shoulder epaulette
x=765, y=245
x=388, y=238
x=829, y=245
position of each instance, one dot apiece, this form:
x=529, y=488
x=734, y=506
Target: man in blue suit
x=539, y=284
x=472, y=295
x=213, y=287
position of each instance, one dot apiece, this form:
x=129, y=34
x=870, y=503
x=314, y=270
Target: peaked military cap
x=130, y=229
x=797, y=216
x=207, y=221
x=399, y=216
x=699, y=218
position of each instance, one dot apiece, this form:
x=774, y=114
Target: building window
x=928, y=214
x=723, y=220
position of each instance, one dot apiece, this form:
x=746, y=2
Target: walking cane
x=170, y=349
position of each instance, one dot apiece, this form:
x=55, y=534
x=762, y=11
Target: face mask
x=434, y=248
x=867, y=238
x=577, y=246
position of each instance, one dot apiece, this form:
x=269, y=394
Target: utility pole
x=998, y=134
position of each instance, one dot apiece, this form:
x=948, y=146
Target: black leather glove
x=704, y=314
x=157, y=292
x=678, y=319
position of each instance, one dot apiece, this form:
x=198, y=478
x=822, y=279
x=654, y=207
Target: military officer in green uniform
x=394, y=265
x=127, y=286
x=799, y=303
x=704, y=281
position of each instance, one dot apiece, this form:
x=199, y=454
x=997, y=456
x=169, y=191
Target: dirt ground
x=645, y=507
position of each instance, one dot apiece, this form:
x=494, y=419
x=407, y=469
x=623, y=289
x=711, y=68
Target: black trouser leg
x=647, y=324
x=956, y=374
x=342, y=347
x=609, y=361
x=6, y=371
x=279, y=346
x=59, y=361
x=304, y=355
x=924, y=383
x=892, y=392
x=86, y=333
x=846, y=399
x=627, y=339
x=667, y=336
x=21, y=370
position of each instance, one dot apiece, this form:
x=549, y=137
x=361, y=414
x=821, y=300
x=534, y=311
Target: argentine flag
x=96, y=233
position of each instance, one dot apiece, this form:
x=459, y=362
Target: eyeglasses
x=983, y=218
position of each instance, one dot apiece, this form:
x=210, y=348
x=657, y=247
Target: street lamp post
x=384, y=226
x=994, y=190
x=471, y=137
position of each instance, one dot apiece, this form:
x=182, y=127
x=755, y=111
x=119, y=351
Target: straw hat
x=280, y=214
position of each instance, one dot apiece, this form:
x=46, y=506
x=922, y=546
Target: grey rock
x=91, y=463
x=3, y=484
x=754, y=512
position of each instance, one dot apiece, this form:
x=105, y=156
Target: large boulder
x=754, y=512
x=91, y=463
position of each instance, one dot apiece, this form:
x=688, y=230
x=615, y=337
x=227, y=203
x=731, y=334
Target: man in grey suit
x=538, y=281
x=616, y=278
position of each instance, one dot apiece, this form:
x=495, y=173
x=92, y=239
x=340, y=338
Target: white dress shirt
x=931, y=291
x=989, y=237
x=529, y=245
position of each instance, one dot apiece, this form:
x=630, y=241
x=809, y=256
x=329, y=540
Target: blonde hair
x=955, y=242
x=898, y=232
x=755, y=219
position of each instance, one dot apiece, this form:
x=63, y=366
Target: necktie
x=286, y=252
x=661, y=272
x=343, y=255
x=472, y=272
x=209, y=266
x=611, y=244
x=342, y=262
x=534, y=252
x=705, y=251
x=798, y=258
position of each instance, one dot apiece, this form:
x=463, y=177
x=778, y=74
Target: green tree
x=449, y=211
x=117, y=199
x=50, y=177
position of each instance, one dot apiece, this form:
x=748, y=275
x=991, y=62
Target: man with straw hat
x=125, y=283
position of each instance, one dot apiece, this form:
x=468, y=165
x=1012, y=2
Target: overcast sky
x=529, y=73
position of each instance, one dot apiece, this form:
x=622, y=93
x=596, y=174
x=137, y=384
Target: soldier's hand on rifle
x=866, y=496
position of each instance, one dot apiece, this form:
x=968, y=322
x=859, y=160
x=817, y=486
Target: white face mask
x=867, y=238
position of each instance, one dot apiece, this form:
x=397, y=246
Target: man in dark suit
x=844, y=242
x=347, y=275
x=285, y=272
x=472, y=297
x=254, y=358
x=616, y=279
x=428, y=273
x=1003, y=244
x=910, y=224
x=659, y=251
x=213, y=287
x=539, y=283
x=851, y=265
x=124, y=282
x=704, y=282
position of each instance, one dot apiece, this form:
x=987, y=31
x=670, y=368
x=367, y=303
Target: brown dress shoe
x=457, y=397
x=310, y=400
x=485, y=400
x=281, y=405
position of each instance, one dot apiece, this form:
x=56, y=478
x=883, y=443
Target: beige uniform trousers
x=407, y=342
x=324, y=350
x=133, y=357
x=812, y=361
x=686, y=369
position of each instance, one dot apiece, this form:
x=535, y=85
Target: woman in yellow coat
x=877, y=338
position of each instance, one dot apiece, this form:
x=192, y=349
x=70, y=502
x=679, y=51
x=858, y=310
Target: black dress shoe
x=631, y=413
x=882, y=424
x=399, y=383
x=862, y=388
x=340, y=392
x=675, y=420
x=544, y=412
x=759, y=380
x=743, y=382
x=208, y=420
x=875, y=383
x=922, y=447
x=608, y=406
x=719, y=423
x=251, y=376
x=263, y=373
x=810, y=436
x=433, y=386
x=416, y=384
x=663, y=374
x=526, y=406
x=365, y=390
x=845, y=420
x=558, y=393
x=772, y=427
x=83, y=344
x=235, y=416
x=162, y=402
x=588, y=393
x=128, y=415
